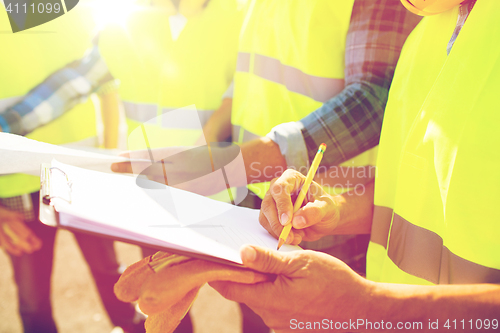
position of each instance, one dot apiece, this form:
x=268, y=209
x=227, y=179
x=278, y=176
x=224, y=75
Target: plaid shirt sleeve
x=350, y=123
x=60, y=92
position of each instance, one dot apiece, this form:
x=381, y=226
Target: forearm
x=218, y=127
x=430, y=308
x=263, y=160
x=350, y=123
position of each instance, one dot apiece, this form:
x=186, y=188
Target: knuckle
x=273, y=181
x=313, y=214
x=289, y=173
x=277, y=189
x=283, y=204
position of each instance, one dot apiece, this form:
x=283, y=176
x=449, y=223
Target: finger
x=266, y=225
x=23, y=245
x=263, y=260
x=311, y=214
x=20, y=229
x=15, y=237
x=281, y=191
x=8, y=246
x=168, y=286
x=298, y=235
x=23, y=237
x=268, y=216
x=122, y=167
x=249, y=294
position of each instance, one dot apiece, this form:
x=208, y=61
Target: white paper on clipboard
x=114, y=206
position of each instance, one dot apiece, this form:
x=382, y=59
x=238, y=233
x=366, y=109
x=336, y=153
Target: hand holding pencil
x=302, y=194
x=315, y=214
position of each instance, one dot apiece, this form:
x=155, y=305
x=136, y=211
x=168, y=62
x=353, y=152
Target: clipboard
x=48, y=214
x=56, y=184
x=50, y=217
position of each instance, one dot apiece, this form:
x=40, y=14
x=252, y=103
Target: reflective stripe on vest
x=433, y=261
x=435, y=218
x=320, y=89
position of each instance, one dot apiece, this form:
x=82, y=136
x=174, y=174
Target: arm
x=59, y=93
x=350, y=123
x=315, y=287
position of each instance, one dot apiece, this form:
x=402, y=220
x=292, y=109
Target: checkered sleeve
x=351, y=122
x=58, y=93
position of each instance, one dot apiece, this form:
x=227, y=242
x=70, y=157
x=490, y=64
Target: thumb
x=263, y=260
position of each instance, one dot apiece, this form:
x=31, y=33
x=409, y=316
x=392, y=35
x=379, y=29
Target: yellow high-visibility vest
x=27, y=59
x=436, y=219
x=159, y=74
x=290, y=61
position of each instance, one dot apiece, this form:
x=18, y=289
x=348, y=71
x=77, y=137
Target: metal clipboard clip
x=49, y=181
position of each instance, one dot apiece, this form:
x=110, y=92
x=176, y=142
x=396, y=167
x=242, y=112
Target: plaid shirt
x=350, y=122
x=60, y=92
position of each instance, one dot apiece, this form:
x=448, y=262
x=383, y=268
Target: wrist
x=211, y=134
x=398, y=303
x=263, y=160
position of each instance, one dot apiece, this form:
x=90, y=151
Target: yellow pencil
x=303, y=191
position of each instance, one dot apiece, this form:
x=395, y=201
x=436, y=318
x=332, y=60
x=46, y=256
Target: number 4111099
x=46, y=8
x=478, y=324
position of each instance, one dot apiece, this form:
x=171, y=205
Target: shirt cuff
x=289, y=138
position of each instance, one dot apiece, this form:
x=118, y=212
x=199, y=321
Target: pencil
x=303, y=191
